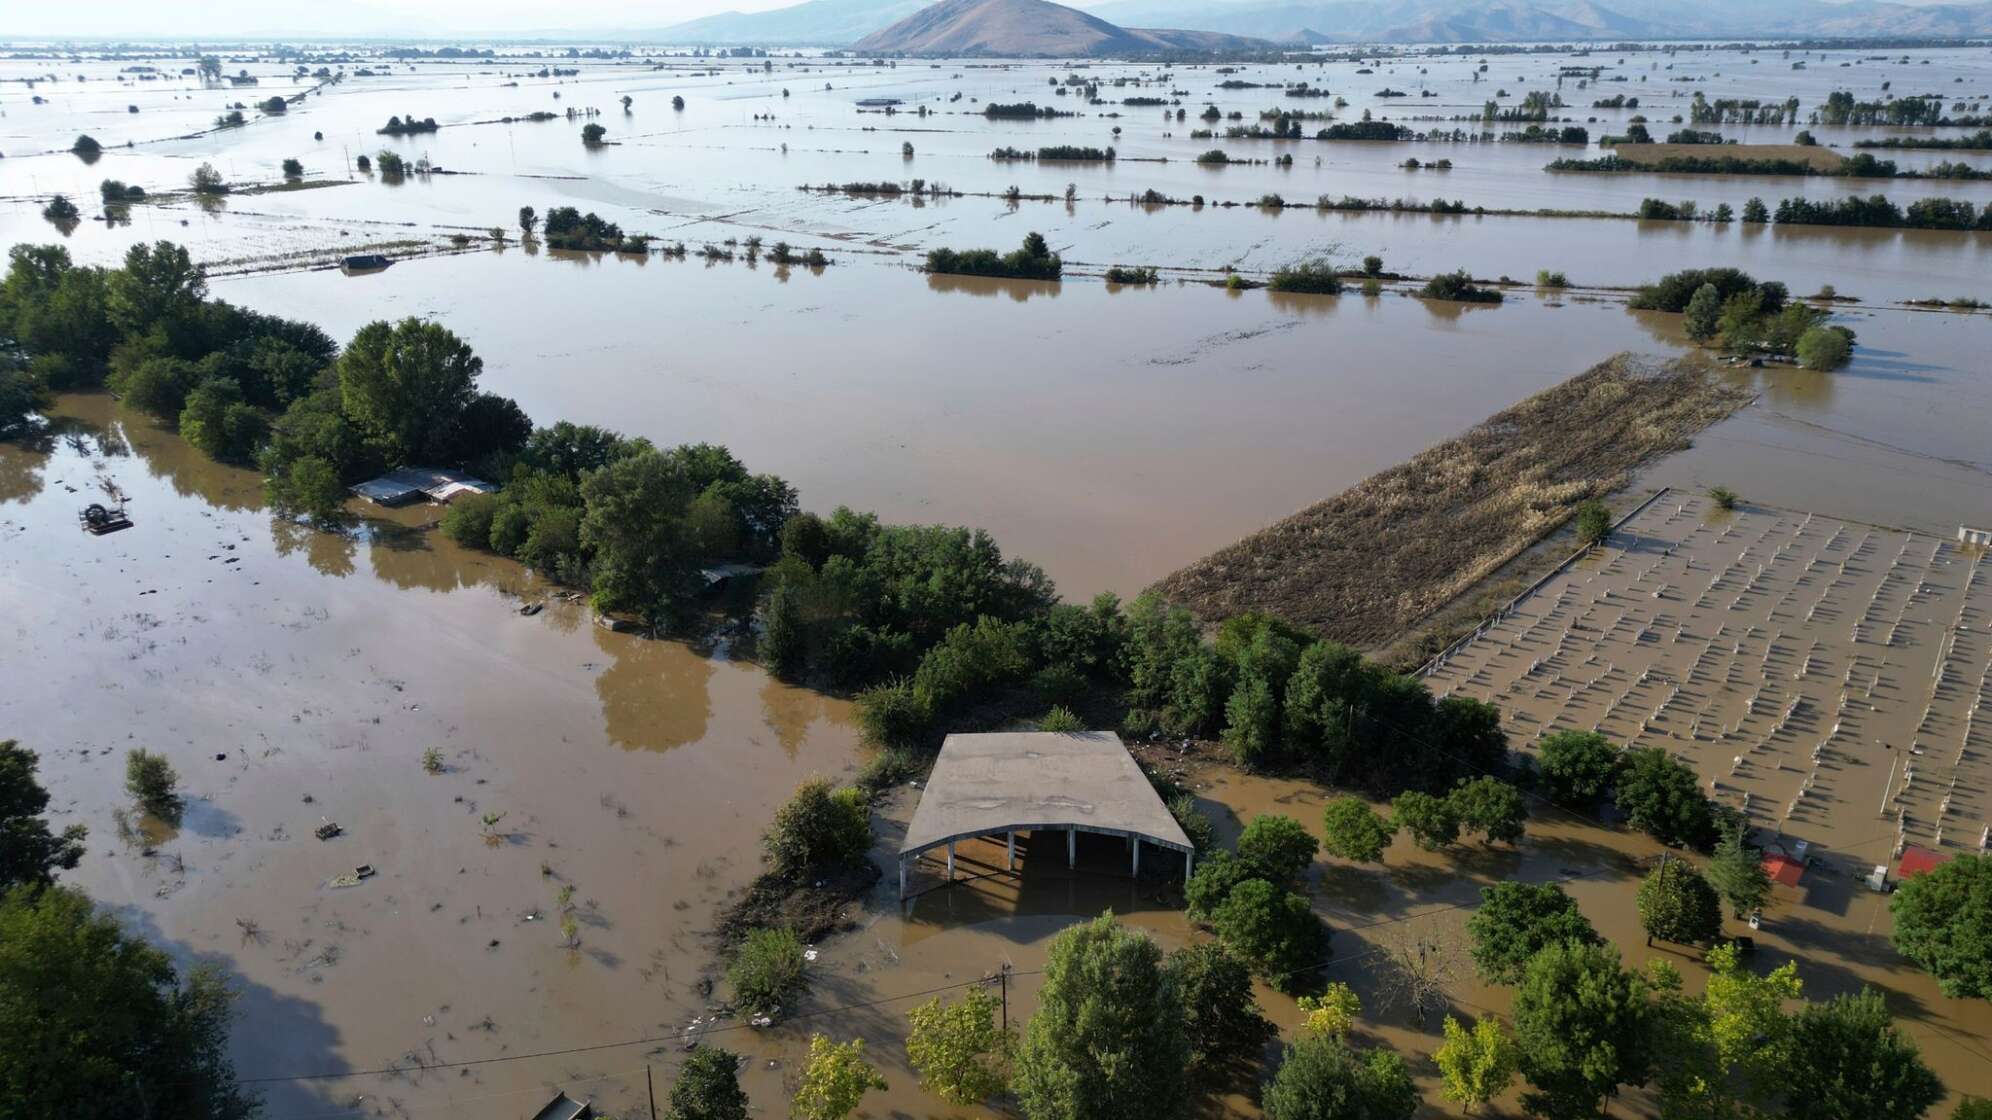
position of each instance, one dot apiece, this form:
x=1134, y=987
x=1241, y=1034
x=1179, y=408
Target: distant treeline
x=1975, y=142
x=997, y=109
x=1065, y=153
x=1862, y=166
x=409, y=126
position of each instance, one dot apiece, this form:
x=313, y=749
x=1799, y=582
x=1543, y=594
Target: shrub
x=1120, y=275
x=1372, y=265
x=151, y=782
x=1313, y=278
x=1277, y=848
x=1724, y=497
x=835, y=1080
x=591, y=134
x=766, y=971
x=1458, y=287
x=1194, y=822
x=1355, y=831
x=1548, y=279
x=293, y=169
x=60, y=210
x=1061, y=720
x=1594, y=522
x=820, y=827
x=1824, y=348
x=892, y=715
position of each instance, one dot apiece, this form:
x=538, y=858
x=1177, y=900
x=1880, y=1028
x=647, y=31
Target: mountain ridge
x=1035, y=29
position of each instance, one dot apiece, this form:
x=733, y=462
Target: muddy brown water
x=1109, y=434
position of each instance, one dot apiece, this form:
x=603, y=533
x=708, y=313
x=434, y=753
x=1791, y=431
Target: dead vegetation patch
x=1366, y=564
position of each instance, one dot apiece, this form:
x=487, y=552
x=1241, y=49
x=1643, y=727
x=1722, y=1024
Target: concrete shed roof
x=1019, y=781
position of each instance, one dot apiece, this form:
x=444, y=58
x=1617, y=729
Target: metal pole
x=951, y=845
x=1072, y=847
x=1005, y=974
x=650, y=1086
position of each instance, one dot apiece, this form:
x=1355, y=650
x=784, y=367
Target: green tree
x=159, y=285
x=767, y=971
x=94, y=1022
x=635, y=526
x=1221, y=1020
x=591, y=134
x=1973, y=1108
x=1594, y=522
x=1321, y=1078
x=1476, y=1065
x=1355, y=831
x=1490, y=807
x=1107, y=1041
x=293, y=169
x=217, y=422
x=1848, y=1061
x=708, y=1087
x=205, y=179
x=1748, y=1027
x=1677, y=904
x=1824, y=348
x=1278, y=848
x=958, y=1047
x=1515, y=921
x=819, y=827
x=1273, y=930
x=1755, y=211
x=1578, y=767
x=1213, y=881
x=307, y=486
x=784, y=637
x=1430, y=820
x=29, y=852
x=151, y=782
x=1737, y=874
x=1943, y=922
x=835, y=1080
x=1704, y=313
x=404, y=385
x=1663, y=796
x=1581, y=1026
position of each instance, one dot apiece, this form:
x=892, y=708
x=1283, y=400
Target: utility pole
x=650, y=1087
x=1003, y=978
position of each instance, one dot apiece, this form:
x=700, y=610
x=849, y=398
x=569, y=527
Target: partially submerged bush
x=767, y=971
x=820, y=827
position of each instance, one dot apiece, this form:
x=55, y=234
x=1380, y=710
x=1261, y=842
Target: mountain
x=816, y=22
x=1423, y=21
x=1035, y=29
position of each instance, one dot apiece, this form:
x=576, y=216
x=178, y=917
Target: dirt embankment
x=1824, y=159
x=1369, y=562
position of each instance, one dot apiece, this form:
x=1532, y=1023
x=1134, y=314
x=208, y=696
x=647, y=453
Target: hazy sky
x=182, y=18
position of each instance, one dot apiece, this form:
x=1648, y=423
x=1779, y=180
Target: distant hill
x=1458, y=21
x=1035, y=29
x=833, y=23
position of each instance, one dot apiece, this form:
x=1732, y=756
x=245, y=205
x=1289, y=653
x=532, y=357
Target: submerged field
x=1113, y=434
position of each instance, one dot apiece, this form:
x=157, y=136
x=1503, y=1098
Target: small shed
x=412, y=484
x=1783, y=870
x=1980, y=537
x=1917, y=860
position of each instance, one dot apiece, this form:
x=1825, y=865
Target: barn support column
x=1010, y=851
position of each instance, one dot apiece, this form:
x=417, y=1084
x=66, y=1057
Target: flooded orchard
x=1112, y=433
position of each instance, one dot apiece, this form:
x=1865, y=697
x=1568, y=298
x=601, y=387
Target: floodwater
x=1111, y=434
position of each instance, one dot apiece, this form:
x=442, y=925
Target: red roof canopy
x=1916, y=860
x=1783, y=869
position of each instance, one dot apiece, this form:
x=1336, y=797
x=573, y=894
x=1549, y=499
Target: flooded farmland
x=1110, y=433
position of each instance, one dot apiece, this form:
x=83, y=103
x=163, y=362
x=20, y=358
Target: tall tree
x=1943, y=921
x=635, y=523
x=405, y=385
x=159, y=286
x=835, y=1080
x=958, y=1047
x=1515, y=921
x=1476, y=1065
x=94, y=1022
x=1848, y=1061
x=1321, y=1078
x=29, y=852
x=1581, y=1022
x=1737, y=874
x=1107, y=1040
x=1676, y=904
x=1221, y=1020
